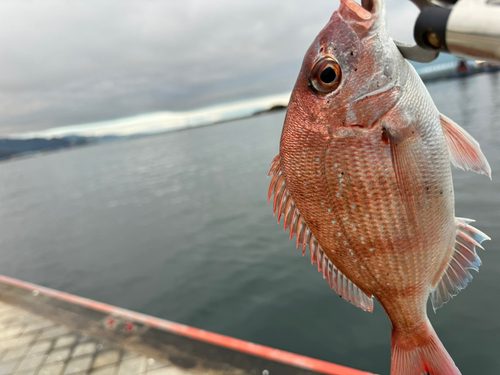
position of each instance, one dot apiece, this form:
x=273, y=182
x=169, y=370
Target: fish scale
x=360, y=195
x=363, y=179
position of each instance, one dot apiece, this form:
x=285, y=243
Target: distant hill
x=10, y=148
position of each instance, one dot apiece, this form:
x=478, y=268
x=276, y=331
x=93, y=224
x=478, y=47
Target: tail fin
x=420, y=352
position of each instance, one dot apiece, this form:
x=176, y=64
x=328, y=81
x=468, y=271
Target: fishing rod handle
x=469, y=29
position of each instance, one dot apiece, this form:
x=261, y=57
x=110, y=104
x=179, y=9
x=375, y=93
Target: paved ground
x=30, y=344
x=49, y=332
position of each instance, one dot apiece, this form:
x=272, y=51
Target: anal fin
x=283, y=205
x=465, y=151
x=464, y=257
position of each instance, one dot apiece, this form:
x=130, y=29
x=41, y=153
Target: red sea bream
x=363, y=179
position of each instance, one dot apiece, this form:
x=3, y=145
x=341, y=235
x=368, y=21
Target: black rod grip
x=430, y=28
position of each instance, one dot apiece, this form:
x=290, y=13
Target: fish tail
x=419, y=351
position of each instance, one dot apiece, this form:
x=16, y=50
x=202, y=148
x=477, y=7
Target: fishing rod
x=465, y=28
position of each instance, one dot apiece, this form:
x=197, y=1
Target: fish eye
x=325, y=75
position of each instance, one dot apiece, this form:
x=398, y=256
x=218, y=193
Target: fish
x=363, y=179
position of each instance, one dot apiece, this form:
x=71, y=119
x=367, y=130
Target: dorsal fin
x=465, y=152
x=283, y=205
x=464, y=257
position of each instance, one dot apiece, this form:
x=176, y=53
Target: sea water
x=177, y=226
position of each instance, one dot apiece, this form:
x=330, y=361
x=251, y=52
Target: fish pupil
x=328, y=75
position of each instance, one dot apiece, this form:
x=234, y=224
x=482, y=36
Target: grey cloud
x=69, y=62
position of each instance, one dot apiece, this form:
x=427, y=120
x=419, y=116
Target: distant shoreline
x=11, y=149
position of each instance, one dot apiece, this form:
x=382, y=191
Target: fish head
x=349, y=76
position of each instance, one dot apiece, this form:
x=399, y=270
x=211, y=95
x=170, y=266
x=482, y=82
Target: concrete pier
x=47, y=332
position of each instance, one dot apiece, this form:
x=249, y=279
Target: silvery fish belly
x=363, y=179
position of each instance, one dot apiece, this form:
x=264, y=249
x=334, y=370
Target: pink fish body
x=363, y=179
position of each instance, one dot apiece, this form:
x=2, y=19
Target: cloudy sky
x=78, y=61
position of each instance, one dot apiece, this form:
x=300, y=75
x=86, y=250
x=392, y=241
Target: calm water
x=177, y=226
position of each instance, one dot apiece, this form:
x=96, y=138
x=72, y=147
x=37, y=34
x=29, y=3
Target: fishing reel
x=465, y=28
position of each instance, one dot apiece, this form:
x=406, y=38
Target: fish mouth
x=365, y=11
x=368, y=5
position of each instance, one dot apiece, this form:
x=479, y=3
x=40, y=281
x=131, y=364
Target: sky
x=79, y=61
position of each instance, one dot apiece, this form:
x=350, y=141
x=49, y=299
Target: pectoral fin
x=408, y=161
x=465, y=152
